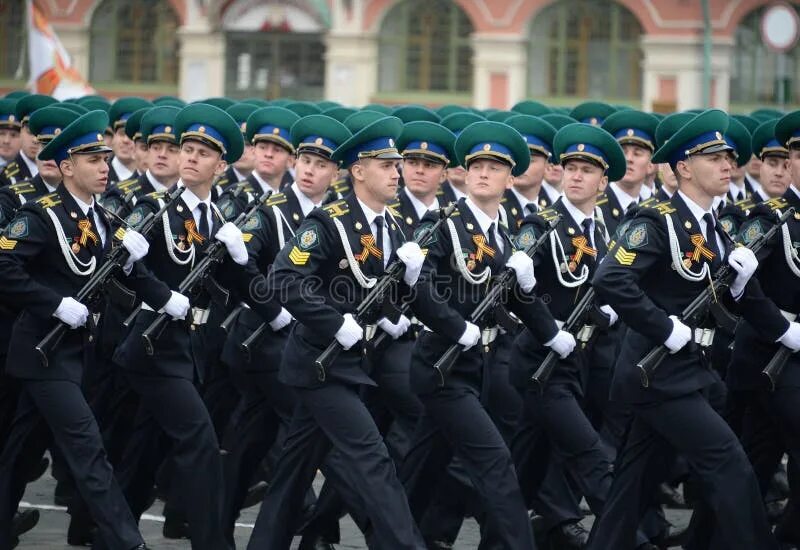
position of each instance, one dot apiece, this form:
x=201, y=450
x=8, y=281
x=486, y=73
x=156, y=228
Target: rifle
x=101, y=280
x=776, y=365
x=391, y=275
x=199, y=276
x=493, y=297
x=573, y=322
x=692, y=314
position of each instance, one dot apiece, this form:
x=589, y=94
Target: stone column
x=202, y=59
x=351, y=67
x=499, y=70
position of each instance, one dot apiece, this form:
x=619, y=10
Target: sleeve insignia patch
x=622, y=229
x=727, y=225
x=18, y=228
x=135, y=217
x=254, y=222
x=636, y=237
x=308, y=239
x=298, y=257
x=525, y=238
x=6, y=243
x=624, y=257
x=247, y=237
x=227, y=209
x=752, y=232
x=418, y=233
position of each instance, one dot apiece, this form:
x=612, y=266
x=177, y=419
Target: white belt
x=789, y=316
x=199, y=315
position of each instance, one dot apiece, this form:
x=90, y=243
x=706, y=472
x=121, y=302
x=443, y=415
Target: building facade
x=486, y=53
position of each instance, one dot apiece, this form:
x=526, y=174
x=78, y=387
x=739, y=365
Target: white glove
x=177, y=306
x=231, y=237
x=563, y=343
x=136, y=245
x=791, y=338
x=281, y=320
x=411, y=255
x=72, y=312
x=395, y=330
x=349, y=333
x=522, y=264
x=744, y=262
x=679, y=337
x=612, y=315
x=470, y=336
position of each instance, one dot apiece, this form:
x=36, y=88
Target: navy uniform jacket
x=444, y=298
x=315, y=279
x=15, y=195
x=408, y=218
x=38, y=269
x=446, y=195
x=779, y=277
x=178, y=351
x=515, y=212
x=113, y=177
x=121, y=197
x=15, y=171
x=273, y=225
x=638, y=279
x=552, y=279
x=612, y=211
x=235, y=198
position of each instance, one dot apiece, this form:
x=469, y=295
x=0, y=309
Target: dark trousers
x=62, y=406
x=689, y=426
x=334, y=416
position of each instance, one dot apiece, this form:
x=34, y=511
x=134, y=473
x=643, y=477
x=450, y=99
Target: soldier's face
x=457, y=176
x=423, y=177
x=488, y=179
x=87, y=173
x=379, y=178
x=754, y=167
x=553, y=174
x=583, y=181
x=199, y=164
x=314, y=175
x=163, y=160
x=49, y=171
x=122, y=146
x=638, y=163
x=667, y=177
x=247, y=161
x=142, y=155
x=30, y=145
x=10, y=143
x=710, y=174
x=533, y=176
x=775, y=175
x=794, y=166
x=271, y=159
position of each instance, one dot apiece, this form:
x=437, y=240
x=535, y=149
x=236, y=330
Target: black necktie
x=205, y=231
x=99, y=245
x=492, y=237
x=379, y=221
x=531, y=208
x=587, y=234
x=711, y=239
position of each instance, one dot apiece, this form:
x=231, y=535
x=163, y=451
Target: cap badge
x=581, y=147
x=318, y=141
x=423, y=145
x=487, y=147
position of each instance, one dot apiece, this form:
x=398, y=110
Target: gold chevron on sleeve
x=7, y=244
x=298, y=257
x=624, y=257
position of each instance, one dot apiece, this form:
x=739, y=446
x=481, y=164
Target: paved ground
x=50, y=534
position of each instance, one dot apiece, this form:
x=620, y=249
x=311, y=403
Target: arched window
x=585, y=49
x=424, y=46
x=754, y=71
x=13, y=60
x=134, y=41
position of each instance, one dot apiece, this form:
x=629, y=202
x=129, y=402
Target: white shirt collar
x=484, y=221
x=696, y=210
x=122, y=171
x=795, y=189
x=239, y=175
x=50, y=188
x=419, y=206
x=575, y=212
x=624, y=198
x=646, y=192
x=552, y=192
x=459, y=194
x=525, y=201
x=754, y=183
x=193, y=200
x=265, y=186
x=306, y=204
x=82, y=205
x=157, y=185
x=32, y=168
x=736, y=189
x=370, y=214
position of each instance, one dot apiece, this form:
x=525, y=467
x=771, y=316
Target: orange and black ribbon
x=483, y=248
x=700, y=248
x=582, y=247
x=191, y=230
x=368, y=242
x=86, y=233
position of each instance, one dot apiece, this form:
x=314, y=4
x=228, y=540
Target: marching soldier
x=738, y=137
x=10, y=141
x=209, y=138
x=133, y=131
x=123, y=164
x=23, y=167
x=41, y=270
x=242, y=168
x=662, y=262
x=345, y=246
x=453, y=188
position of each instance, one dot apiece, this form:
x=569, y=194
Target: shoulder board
x=336, y=209
x=49, y=201
x=276, y=198
x=745, y=204
x=155, y=195
x=395, y=205
x=128, y=184
x=548, y=214
x=393, y=211
x=222, y=181
x=601, y=199
x=503, y=199
x=11, y=168
x=649, y=202
x=22, y=187
x=778, y=203
x=664, y=208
